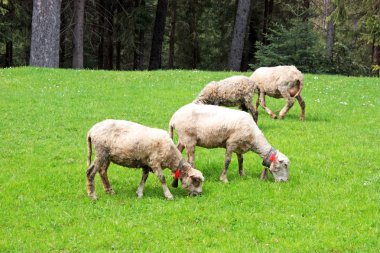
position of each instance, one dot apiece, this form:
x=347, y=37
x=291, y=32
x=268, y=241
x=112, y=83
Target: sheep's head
x=278, y=165
x=191, y=179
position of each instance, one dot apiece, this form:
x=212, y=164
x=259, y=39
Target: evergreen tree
x=297, y=45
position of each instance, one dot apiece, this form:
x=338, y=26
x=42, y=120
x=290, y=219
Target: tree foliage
x=119, y=33
x=296, y=45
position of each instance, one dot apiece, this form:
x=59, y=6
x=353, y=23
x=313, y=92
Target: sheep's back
x=211, y=126
x=270, y=79
x=128, y=143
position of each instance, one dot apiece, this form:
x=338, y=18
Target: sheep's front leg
x=258, y=102
x=191, y=154
x=158, y=172
x=227, y=161
x=103, y=175
x=140, y=189
x=302, y=104
x=262, y=103
x=288, y=105
x=240, y=162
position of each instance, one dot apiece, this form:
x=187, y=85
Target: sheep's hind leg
x=91, y=172
x=227, y=161
x=302, y=104
x=240, y=162
x=103, y=175
x=158, y=172
x=180, y=147
x=288, y=105
x=248, y=107
x=263, y=104
x=140, y=189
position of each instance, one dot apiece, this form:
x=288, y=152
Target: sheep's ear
x=196, y=181
x=197, y=177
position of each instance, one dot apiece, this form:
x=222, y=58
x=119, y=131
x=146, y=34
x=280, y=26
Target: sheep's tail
x=300, y=87
x=89, y=149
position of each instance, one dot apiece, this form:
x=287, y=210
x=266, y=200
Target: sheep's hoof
x=93, y=196
x=139, y=194
x=110, y=191
x=170, y=197
x=241, y=173
x=273, y=116
x=224, y=179
x=302, y=118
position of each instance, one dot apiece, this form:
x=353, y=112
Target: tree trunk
x=237, y=44
x=118, y=55
x=172, y=33
x=373, y=49
x=62, y=37
x=44, y=49
x=138, y=58
x=377, y=57
x=138, y=61
x=252, y=37
x=8, y=54
x=78, y=34
x=306, y=5
x=108, y=42
x=268, y=10
x=247, y=45
x=101, y=13
x=158, y=35
x=194, y=34
x=330, y=30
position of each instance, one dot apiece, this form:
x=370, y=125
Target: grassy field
x=330, y=204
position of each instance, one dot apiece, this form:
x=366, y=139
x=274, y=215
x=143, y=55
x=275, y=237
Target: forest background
x=318, y=36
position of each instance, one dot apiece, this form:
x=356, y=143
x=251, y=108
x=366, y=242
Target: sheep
x=279, y=82
x=211, y=126
x=133, y=145
x=232, y=91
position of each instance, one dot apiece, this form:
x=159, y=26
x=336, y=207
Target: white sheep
x=133, y=145
x=211, y=126
x=232, y=91
x=279, y=82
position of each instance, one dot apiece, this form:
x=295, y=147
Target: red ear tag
x=177, y=174
x=272, y=157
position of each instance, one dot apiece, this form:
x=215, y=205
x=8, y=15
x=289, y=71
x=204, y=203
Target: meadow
x=330, y=204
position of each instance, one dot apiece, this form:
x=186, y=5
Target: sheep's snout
x=193, y=183
x=280, y=176
x=195, y=193
x=279, y=180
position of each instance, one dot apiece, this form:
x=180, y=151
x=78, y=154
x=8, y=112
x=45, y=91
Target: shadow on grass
x=308, y=118
x=152, y=191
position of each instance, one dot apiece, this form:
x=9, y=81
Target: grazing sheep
x=132, y=145
x=211, y=126
x=279, y=82
x=232, y=91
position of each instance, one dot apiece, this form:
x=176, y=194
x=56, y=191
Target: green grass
x=330, y=204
